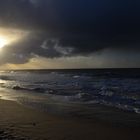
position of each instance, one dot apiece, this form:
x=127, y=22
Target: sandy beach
x=18, y=122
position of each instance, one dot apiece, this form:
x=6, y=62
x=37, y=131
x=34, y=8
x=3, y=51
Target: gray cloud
x=24, y=50
x=61, y=28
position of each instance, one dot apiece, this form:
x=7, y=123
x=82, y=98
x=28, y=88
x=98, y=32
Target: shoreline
x=18, y=122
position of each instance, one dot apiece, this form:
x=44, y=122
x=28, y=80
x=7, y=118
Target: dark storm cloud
x=79, y=27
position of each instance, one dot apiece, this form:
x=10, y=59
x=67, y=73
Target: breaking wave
x=82, y=88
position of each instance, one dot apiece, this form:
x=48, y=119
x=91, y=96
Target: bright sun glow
x=3, y=42
x=10, y=36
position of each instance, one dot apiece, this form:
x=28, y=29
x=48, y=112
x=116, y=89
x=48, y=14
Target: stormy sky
x=70, y=33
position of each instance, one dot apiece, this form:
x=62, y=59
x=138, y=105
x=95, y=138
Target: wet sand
x=18, y=122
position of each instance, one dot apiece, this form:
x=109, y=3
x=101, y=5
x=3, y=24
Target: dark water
x=60, y=91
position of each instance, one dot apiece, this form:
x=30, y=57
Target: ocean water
x=61, y=90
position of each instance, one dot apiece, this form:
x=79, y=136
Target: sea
x=111, y=94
